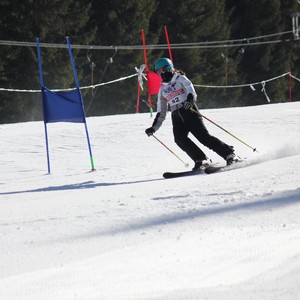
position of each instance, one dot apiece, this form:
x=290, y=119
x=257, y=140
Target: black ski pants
x=187, y=121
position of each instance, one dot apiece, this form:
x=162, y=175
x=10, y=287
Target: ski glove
x=188, y=104
x=150, y=131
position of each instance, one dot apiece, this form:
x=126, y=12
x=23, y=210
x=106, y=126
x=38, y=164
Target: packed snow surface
x=124, y=232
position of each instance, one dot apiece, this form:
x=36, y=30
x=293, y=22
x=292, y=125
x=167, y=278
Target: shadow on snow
x=78, y=186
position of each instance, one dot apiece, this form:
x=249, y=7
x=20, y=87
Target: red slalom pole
x=147, y=70
x=138, y=98
x=168, y=42
x=290, y=86
x=145, y=51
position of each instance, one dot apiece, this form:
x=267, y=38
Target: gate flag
x=154, y=82
x=62, y=106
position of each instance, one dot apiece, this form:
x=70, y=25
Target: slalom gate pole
x=138, y=98
x=147, y=70
x=197, y=112
x=185, y=164
x=290, y=86
x=83, y=112
x=43, y=101
x=168, y=42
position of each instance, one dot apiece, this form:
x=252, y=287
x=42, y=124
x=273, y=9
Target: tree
x=258, y=18
x=289, y=52
x=118, y=23
x=115, y=23
x=51, y=21
x=200, y=21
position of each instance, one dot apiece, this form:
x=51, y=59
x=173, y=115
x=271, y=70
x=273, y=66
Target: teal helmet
x=164, y=63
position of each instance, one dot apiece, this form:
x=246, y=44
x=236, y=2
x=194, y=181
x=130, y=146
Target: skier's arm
x=189, y=88
x=161, y=112
x=162, y=107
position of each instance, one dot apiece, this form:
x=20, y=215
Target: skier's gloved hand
x=188, y=104
x=150, y=131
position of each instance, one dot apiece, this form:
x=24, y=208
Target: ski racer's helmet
x=164, y=63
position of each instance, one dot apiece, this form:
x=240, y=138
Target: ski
x=182, y=174
x=215, y=169
x=208, y=169
x=212, y=169
x=187, y=173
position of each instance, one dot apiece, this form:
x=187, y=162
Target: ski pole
x=185, y=164
x=197, y=112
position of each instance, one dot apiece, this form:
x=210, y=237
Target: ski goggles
x=161, y=71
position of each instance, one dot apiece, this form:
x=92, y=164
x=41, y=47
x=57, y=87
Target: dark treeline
x=119, y=23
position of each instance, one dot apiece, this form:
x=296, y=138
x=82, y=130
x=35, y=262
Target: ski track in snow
x=124, y=232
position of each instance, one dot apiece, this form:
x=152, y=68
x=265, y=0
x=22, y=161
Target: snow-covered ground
x=124, y=232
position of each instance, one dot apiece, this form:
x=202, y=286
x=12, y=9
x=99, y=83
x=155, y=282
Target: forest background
x=267, y=48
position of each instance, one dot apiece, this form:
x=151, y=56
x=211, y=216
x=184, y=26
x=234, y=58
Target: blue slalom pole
x=83, y=112
x=43, y=101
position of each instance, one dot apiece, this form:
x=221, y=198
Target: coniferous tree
x=289, y=51
x=259, y=18
x=51, y=21
x=200, y=21
x=118, y=23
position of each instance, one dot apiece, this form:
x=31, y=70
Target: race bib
x=174, y=94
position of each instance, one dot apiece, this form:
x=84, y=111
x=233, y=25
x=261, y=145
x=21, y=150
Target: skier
x=178, y=92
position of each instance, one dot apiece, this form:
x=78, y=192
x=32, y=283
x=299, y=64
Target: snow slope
x=124, y=232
